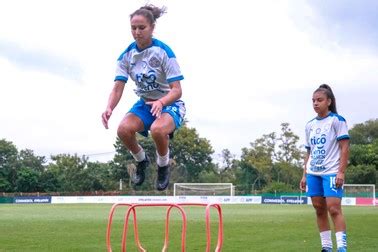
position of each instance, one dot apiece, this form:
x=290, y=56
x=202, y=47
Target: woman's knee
x=158, y=130
x=161, y=129
x=334, y=210
x=320, y=211
x=124, y=131
x=320, y=207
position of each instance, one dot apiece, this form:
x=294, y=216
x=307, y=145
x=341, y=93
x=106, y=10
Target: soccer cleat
x=326, y=250
x=139, y=176
x=162, y=178
x=342, y=249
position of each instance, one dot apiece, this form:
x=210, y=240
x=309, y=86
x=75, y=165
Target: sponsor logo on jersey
x=146, y=82
x=318, y=153
x=154, y=62
x=319, y=141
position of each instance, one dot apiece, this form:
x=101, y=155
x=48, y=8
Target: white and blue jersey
x=322, y=136
x=152, y=69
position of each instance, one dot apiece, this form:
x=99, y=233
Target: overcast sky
x=248, y=67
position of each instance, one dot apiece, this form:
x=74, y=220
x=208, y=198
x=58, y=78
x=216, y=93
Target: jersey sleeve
x=172, y=70
x=170, y=65
x=341, y=128
x=121, y=70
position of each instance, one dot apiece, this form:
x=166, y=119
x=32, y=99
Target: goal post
x=364, y=193
x=203, y=189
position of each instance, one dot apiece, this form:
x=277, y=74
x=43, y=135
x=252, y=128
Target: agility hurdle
x=220, y=224
x=131, y=209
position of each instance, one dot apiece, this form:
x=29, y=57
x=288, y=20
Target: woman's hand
x=303, y=183
x=340, y=178
x=156, y=107
x=173, y=95
x=105, y=117
x=114, y=98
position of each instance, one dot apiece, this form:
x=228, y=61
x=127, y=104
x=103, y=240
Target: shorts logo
x=154, y=62
x=332, y=184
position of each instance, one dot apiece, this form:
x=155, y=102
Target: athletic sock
x=140, y=156
x=341, y=239
x=326, y=239
x=162, y=160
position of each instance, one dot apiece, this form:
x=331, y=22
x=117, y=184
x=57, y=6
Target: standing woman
x=152, y=65
x=327, y=144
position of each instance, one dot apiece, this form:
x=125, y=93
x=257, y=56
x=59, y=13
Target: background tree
x=192, y=155
x=227, y=166
x=248, y=178
x=288, y=163
x=363, y=160
x=99, y=178
x=257, y=161
x=272, y=163
x=29, y=173
x=8, y=166
x=69, y=171
x=364, y=133
x=288, y=150
x=123, y=159
x=361, y=174
x=273, y=159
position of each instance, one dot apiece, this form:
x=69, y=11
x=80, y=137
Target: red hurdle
x=131, y=209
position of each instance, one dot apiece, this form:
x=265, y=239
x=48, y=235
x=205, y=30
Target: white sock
x=326, y=238
x=140, y=156
x=341, y=239
x=162, y=160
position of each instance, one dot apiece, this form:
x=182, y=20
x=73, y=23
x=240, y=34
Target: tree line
x=272, y=163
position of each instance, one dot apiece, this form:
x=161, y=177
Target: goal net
x=364, y=193
x=203, y=189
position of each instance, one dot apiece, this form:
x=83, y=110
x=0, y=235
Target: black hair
x=150, y=12
x=327, y=90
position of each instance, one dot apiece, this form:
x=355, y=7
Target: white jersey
x=152, y=69
x=322, y=136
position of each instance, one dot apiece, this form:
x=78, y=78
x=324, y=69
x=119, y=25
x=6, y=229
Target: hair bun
x=326, y=86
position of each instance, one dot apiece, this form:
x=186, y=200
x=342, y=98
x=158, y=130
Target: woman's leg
x=335, y=211
x=320, y=205
x=127, y=130
x=160, y=130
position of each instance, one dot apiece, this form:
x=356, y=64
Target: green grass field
x=82, y=227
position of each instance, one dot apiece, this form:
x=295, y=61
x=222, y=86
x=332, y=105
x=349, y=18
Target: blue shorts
x=323, y=186
x=142, y=110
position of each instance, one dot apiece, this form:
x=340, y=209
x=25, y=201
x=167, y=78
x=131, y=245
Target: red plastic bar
x=131, y=209
x=208, y=232
x=110, y=221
